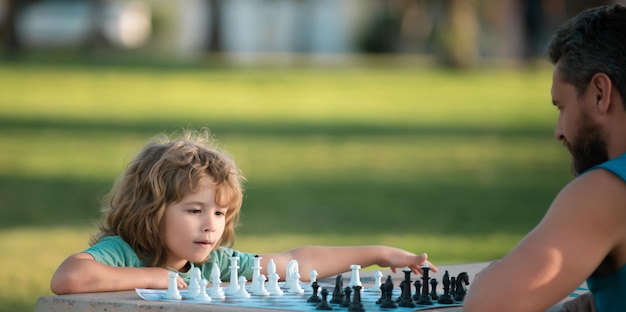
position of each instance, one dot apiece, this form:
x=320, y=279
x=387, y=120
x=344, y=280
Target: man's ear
x=601, y=88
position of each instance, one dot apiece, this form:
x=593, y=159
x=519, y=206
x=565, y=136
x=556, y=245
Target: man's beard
x=588, y=148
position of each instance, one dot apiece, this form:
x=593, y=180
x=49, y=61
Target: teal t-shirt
x=609, y=291
x=114, y=251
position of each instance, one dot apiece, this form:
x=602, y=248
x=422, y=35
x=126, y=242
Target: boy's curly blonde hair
x=163, y=172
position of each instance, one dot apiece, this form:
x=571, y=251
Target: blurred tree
x=214, y=42
x=456, y=34
x=9, y=39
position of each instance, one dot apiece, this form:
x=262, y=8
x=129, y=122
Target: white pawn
x=273, y=278
x=233, y=286
x=313, y=276
x=202, y=295
x=242, y=293
x=172, y=287
x=216, y=291
x=260, y=290
x=355, y=278
x=378, y=275
x=194, y=283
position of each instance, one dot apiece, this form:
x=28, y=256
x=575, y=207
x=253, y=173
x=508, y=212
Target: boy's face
x=193, y=227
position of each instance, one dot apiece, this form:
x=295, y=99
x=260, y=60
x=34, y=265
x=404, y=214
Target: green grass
x=458, y=164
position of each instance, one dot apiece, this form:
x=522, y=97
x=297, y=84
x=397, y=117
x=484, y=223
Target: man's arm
x=582, y=226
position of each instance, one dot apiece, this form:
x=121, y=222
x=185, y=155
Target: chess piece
x=233, y=286
x=273, y=277
x=312, y=276
x=388, y=303
x=242, y=293
x=462, y=280
x=446, y=297
x=355, y=304
x=355, y=278
x=338, y=294
x=418, y=290
x=406, y=300
x=378, y=275
x=293, y=278
x=195, y=275
x=346, y=299
x=323, y=305
x=216, y=291
x=202, y=295
x=433, y=289
x=314, y=297
x=425, y=298
x=260, y=288
x=172, y=287
x=256, y=270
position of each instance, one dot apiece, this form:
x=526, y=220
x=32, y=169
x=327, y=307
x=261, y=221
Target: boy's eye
x=195, y=210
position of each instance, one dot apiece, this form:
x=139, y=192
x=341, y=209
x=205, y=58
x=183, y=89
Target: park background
x=425, y=125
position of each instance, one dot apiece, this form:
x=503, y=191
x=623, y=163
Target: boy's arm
x=584, y=224
x=80, y=273
x=329, y=261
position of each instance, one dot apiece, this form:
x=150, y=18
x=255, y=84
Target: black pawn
x=346, y=300
x=433, y=289
x=323, y=305
x=356, y=305
x=418, y=290
x=338, y=294
x=382, y=294
x=314, y=297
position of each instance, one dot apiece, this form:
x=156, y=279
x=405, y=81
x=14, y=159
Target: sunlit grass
x=459, y=165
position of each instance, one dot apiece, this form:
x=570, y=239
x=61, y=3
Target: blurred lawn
x=460, y=165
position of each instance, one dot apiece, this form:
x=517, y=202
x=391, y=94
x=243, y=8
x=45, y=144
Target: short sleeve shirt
x=114, y=251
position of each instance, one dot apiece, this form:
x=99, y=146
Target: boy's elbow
x=65, y=283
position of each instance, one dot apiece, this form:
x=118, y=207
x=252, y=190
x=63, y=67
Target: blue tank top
x=609, y=291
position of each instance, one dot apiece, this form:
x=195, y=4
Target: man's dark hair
x=592, y=42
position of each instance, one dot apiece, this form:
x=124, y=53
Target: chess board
x=291, y=301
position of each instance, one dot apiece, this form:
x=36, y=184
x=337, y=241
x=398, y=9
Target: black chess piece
x=433, y=289
x=402, y=291
x=314, y=297
x=388, y=303
x=462, y=280
x=346, y=299
x=453, y=286
x=406, y=299
x=446, y=297
x=382, y=294
x=356, y=305
x=338, y=294
x=424, y=298
x=323, y=305
x=418, y=290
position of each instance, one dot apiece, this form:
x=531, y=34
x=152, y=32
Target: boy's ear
x=602, y=87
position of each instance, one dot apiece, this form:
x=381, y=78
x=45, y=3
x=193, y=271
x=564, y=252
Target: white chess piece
x=172, y=288
x=233, y=286
x=273, y=277
x=194, y=283
x=378, y=275
x=256, y=270
x=313, y=276
x=260, y=290
x=293, y=278
x=242, y=293
x=355, y=278
x=216, y=291
x=202, y=295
